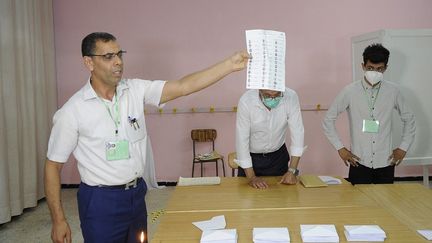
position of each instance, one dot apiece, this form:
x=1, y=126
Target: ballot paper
x=330, y=180
x=271, y=235
x=319, y=233
x=215, y=223
x=266, y=68
x=198, y=181
x=219, y=236
x=426, y=233
x=364, y=233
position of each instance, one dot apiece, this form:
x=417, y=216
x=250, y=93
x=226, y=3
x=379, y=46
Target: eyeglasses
x=377, y=69
x=109, y=56
x=264, y=96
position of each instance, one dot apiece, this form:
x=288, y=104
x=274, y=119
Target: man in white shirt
x=103, y=126
x=370, y=103
x=263, y=117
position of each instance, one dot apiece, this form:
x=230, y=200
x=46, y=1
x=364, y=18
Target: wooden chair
x=206, y=136
x=231, y=157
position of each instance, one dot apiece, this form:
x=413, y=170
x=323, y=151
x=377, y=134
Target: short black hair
x=88, y=44
x=376, y=53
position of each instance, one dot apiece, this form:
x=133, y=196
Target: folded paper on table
x=269, y=235
x=319, y=233
x=219, y=236
x=364, y=233
x=215, y=223
x=198, y=181
x=311, y=181
x=426, y=233
x=330, y=180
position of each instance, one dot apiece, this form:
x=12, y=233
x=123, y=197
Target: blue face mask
x=271, y=102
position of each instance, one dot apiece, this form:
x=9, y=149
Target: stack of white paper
x=215, y=223
x=271, y=235
x=198, y=181
x=426, y=233
x=319, y=233
x=219, y=236
x=364, y=233
x=330, y=180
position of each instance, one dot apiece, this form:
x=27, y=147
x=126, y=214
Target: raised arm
x=199, y=80
x=60, y=231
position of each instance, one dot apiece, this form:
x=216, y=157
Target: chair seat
x=209, y=156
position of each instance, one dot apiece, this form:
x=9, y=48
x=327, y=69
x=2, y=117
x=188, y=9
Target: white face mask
x=373, y=77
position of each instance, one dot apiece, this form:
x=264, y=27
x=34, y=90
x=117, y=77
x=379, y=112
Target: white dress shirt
x=373, y=149
x=259, y=130
x=83, y=126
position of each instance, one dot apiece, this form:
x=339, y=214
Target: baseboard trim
x=411, y=178
x=167, y=183
x=67, y=186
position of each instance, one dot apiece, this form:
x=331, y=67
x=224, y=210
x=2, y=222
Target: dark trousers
x=365, y=175
x=112, y=215
x=270, y=164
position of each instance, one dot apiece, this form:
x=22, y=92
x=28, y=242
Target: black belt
x=132, y=184
x=270, y=153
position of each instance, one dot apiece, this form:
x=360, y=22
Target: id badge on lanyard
x=370, y=126
x=117, y=150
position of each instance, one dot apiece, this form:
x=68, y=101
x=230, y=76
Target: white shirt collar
x=89, y=93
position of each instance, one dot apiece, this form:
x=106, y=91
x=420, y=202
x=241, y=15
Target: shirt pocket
x=136, y=128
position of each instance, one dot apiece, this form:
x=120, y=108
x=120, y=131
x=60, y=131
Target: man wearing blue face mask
x=263, y=117
x=370, y=103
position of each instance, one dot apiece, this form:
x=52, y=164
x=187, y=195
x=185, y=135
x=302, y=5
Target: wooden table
x=235, y=194
x=177, y=227
x=399, y=209
x=410, y=203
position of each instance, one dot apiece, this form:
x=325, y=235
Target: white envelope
x=215, y=223
x=198, y=181
x=330, y=180
x=222, y=236
x=318, y=230
x=271, y=235
x=364, y=233
x=319, y=233
x=426, y=233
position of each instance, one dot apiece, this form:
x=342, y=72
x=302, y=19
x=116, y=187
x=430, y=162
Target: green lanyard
x=371, y=101
x=115, y=115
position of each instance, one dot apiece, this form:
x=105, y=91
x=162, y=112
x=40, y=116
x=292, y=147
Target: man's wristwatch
x=294, y=171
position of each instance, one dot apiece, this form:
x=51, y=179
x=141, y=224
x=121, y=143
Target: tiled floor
x=35, y=225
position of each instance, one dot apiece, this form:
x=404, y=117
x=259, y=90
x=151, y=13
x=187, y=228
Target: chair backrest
x=231, y=157
x=203, y=135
